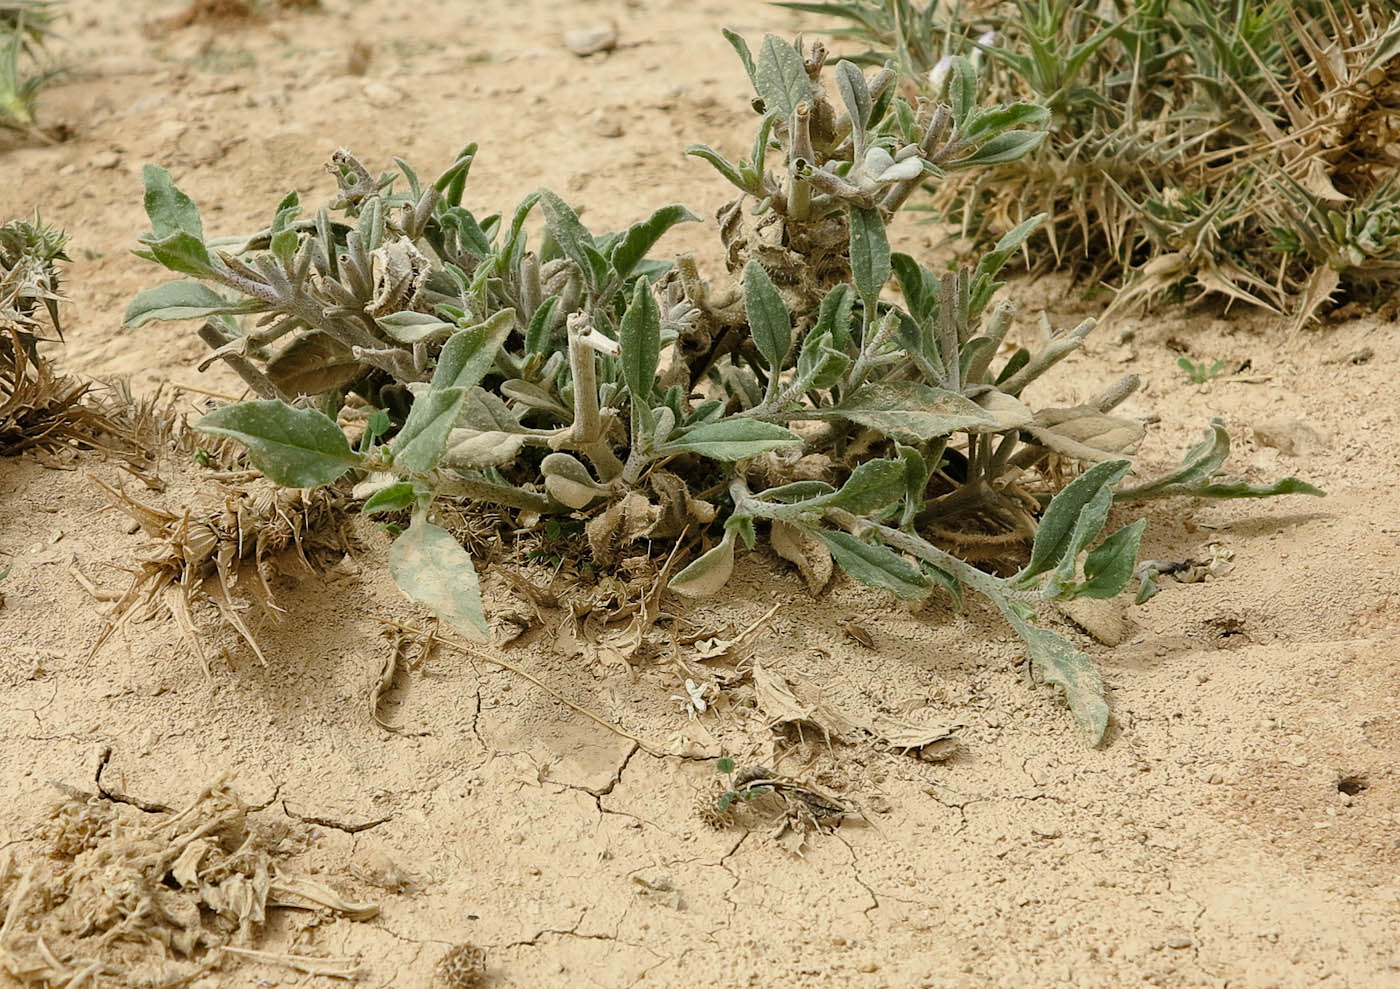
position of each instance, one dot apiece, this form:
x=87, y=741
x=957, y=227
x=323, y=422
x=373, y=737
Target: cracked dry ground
x=1208, y=843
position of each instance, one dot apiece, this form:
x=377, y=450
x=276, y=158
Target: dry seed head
x=463, y=967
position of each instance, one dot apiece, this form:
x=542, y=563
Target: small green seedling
x=1200, y=373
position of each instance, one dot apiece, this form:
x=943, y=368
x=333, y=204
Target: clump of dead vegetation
x=41, y=412
x=1245, y=150
x=221, y=544
x=113, y=896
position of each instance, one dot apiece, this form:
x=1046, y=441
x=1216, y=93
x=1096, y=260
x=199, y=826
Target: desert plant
x=1182, y=134
x=24, y=28
x=798, y=403
x=1199, y=372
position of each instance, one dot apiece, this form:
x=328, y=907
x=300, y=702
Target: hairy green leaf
x=469, y=354
x=432, y=568
x=642, y=237
x=640, y=337
x=1061, y=519
x=1109, y=566
x=394, y=498
x=296, y=448
x=423, y=438
x=170, y=210
x=730, y=439
x=871, y=486
x=182, y=300
x=781, y=78
x=769, y=321
x=875, y=565
x=907, y=411
x=708, y=572
x=870, y=255
x=1059, y=664
x=414, y=327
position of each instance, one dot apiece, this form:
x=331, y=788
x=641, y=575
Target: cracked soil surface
x=1240, y=827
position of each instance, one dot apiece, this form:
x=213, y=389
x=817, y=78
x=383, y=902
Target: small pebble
x=591, y=40
x=106, y=160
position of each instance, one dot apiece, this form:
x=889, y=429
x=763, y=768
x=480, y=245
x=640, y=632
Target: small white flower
x=694, y=699
x=938, y=75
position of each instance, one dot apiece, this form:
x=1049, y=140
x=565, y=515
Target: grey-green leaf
x=769, y=321
x=571, y=235
x=870, y=254
x=781, y=77
x=469, y=354
x=1057, y=525
x=414, y=327
x=871, y=486
x=908, y=411
x=432, y=568
x=1109, y=566
x=423, y=438
x=708, y=572
x=296, y=448
x=170, y=210
x=730, y=439
x=642, y=237
x=394, y=498
x=855, y=93
x=640, y=336
x=182, y=300
x=1058, y=663
x=876, y=565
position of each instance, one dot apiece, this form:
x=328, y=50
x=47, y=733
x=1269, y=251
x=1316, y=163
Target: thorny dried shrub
x=40, y=411
x=796, y=401
x=239, y=521
x=1245, y=149
x=120, y=898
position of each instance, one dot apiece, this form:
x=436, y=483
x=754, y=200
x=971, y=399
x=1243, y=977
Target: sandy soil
x=1211, y=841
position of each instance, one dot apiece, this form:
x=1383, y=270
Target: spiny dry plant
x=41, y=412
x=25, y=27
x=1245, y=149
x=204, y=552
x=794, y=402
x=116, y=897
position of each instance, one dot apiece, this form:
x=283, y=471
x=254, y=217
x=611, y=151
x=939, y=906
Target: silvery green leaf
x=870, y=255
x=573, y=237
x=1109, y=566
x=414, y=327
x=640, y=336
x=641, y=237
x=1058, y=663
x=780, y=76
x=432, y=568
x=907, y=411
x=423, y=438
x=708, y=572
x=871, y=486
x=568, y=481
x=1199, y=468
x=730, y=439
x=855, y=93
x=393, y=498
x=1057, y=525
x=469, y=354
x=881, y=167
x=769, y=321
x=169, y=209
x=476, y=448
x=875, y=565
x=183, y=300
x=296, y=448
